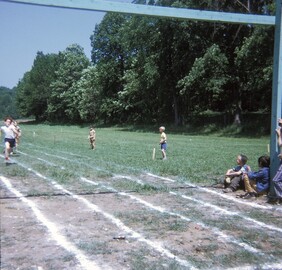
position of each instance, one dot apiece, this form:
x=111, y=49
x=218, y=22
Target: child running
x=10, y=134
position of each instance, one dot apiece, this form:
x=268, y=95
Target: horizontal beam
x=156, y=11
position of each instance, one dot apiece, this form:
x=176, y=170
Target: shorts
x=163, y=146
x=12, y=142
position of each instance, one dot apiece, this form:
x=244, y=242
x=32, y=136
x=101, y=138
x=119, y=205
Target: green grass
x=199, y=158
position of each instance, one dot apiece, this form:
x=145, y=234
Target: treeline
x=7, y=102
x=149, y=70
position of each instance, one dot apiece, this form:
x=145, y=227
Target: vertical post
x=276, y=111
x=154, y=154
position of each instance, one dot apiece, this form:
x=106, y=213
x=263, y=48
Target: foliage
x=33, y=90
x=7, y=102
x=208, y=77
x=86, y=90
x=62, y=105
x=156, y=70
x=254, y=66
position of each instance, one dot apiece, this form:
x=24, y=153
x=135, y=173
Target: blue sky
x=27, y=29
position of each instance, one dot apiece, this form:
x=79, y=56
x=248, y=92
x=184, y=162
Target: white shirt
x=9, y=133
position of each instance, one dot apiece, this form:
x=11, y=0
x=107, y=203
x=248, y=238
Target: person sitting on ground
x=257, y=183
x=234, y=177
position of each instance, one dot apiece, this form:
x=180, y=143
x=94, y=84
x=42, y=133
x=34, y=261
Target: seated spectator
x=257, y=183
x=234, y=177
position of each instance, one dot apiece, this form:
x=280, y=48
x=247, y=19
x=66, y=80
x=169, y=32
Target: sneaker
x=228, y=180
x=218, y=186
x=250, y=195
x=241, y=195
x=272, y=200
x=227, y=190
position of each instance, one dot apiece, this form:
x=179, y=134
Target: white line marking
x=201, y=202
x=274, y=266
x=115, y=221
x=52, y=228
x=255, y=205
x=162, y=210
x=228, y=212
x=207, y=190
x=51, y=163
x=160, y=177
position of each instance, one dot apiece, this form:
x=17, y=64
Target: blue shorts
x=12, y=142
x=163, y=146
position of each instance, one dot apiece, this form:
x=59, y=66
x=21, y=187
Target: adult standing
x=10, y=134
x=277, y=180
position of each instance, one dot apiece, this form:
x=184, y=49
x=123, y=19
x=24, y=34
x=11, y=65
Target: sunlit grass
x=62, y=153
x=197, y=159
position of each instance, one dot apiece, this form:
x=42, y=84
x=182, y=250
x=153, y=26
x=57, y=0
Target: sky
x=27, y=29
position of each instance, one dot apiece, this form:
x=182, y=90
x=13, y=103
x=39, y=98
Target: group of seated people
x=256, y=183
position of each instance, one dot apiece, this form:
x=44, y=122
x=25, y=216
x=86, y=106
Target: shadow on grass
x=253, y=125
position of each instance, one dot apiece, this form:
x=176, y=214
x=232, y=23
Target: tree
x=108, y=57
x=87, y=98
x=62, y=101
x=34, y=90
x=254, y=61
x=204, y=85
x=8, y=102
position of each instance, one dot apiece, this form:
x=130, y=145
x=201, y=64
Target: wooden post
x=154, y=154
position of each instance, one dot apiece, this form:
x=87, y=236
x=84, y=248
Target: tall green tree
x=87, y=95
x=8, y=102
x=254, y=61
x=62, y=102
x=33, y=90
x=206, y=82
x=108, y=56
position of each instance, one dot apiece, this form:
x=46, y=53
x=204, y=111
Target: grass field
x=65, y=206
x=197, y=159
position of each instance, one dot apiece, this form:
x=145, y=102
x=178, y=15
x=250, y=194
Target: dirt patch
x=154, y=229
